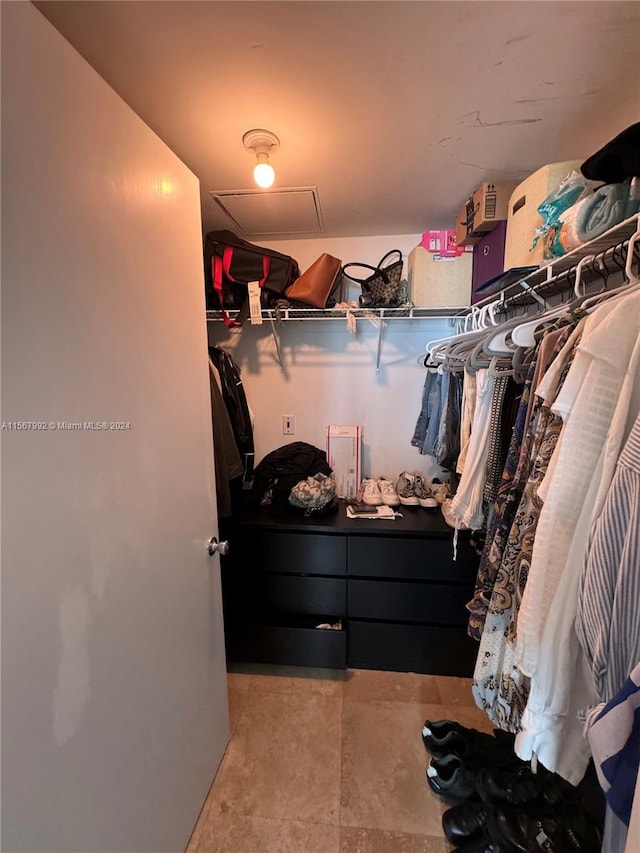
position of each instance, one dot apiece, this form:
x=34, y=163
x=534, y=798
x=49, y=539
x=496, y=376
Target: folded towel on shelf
x=590, y=217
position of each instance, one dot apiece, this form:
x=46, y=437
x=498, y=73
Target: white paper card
x=254, y=303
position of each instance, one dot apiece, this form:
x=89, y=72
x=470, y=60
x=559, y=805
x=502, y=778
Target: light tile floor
x=326, y=761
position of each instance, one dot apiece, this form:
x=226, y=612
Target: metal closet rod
x=527, y=290
x=592, y=269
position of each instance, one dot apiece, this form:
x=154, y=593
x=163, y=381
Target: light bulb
x=264, y=175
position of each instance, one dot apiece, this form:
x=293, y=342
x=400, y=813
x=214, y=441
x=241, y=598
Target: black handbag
x=384, y=288
x=230, y=263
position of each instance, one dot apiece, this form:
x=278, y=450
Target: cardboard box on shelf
x=439, y=282
x=482, y=211
x=523, y=218
x=343, y=455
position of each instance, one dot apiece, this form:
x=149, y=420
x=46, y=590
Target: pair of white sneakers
x=409, y=490
x=379, y=492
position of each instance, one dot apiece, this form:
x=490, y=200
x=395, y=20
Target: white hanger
x=632, y=283
x=499, y=342
x=524, y=334
x=435, y=349
x=471, y=316
x=628, y=271
x=458, y=350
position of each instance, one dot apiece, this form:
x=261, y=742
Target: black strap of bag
x=379, y=270
x=383, y=288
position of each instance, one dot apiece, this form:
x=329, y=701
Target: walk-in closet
x=320, y=452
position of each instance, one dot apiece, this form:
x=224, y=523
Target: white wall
x=330, y=375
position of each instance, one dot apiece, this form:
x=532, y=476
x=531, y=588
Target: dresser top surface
x=414, y=521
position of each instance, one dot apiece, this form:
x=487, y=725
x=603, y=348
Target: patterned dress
x=499, y=688
x=499, y=521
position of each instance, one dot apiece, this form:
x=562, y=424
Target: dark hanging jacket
x=236, y=404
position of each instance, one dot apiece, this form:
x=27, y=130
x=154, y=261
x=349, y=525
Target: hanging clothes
x=434, y=401
x=556, y=601
x=469, y=396
x=594, y=403
x=448, y=443
x=587, y=404
x=607, y=622
x=608, y=629
x=499, y=687
x=235, y=401
x=504, y=407
x=467, y=504
x=499, y=519
x=613, y=732
x=516, y=469
x=227, y=456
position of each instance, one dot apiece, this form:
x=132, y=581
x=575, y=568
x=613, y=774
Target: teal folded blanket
x=592, y=216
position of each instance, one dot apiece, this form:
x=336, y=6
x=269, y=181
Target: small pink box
x=442, y=243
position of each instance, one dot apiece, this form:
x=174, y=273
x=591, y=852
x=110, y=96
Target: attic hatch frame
x=313, y=214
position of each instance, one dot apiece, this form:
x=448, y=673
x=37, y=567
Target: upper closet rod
x=591, y=268
x=560, y=268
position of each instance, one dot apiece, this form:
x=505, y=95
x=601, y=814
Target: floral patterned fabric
x=499, y=521
x=499, y=688
x=515, y=474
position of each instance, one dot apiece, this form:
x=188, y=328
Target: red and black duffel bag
x=231, y=263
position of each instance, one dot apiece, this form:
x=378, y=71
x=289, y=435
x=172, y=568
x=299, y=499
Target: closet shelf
x=552, y=278
x=545, y=282
x=413, y=313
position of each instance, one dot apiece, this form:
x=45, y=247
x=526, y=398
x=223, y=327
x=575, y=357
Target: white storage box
x=439, y=282
x=523, y=218
x=343, y=455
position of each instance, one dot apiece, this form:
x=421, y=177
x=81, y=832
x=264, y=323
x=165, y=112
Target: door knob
x=216, y=547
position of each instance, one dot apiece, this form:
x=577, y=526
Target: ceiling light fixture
x=261, y=142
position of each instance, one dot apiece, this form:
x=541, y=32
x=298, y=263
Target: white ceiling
x=395, y=111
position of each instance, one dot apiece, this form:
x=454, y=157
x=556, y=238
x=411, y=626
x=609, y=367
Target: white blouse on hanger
x=466, y=506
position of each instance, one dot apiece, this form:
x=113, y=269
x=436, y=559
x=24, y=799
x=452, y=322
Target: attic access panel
x=278, y=212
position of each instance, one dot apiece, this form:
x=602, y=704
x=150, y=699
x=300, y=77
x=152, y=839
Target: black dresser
x=393, y=587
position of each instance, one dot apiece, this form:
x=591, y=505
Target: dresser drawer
x=408, y=602
x=410, y=558
x=292, y=594
x=411, y=648
x=289, y=645
x=296, y=553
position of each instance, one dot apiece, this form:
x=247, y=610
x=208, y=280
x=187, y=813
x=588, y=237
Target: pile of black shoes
x=501, y=806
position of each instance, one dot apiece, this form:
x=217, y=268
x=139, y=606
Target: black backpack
x=230, y=263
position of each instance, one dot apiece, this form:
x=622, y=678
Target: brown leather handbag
x=318, y=285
